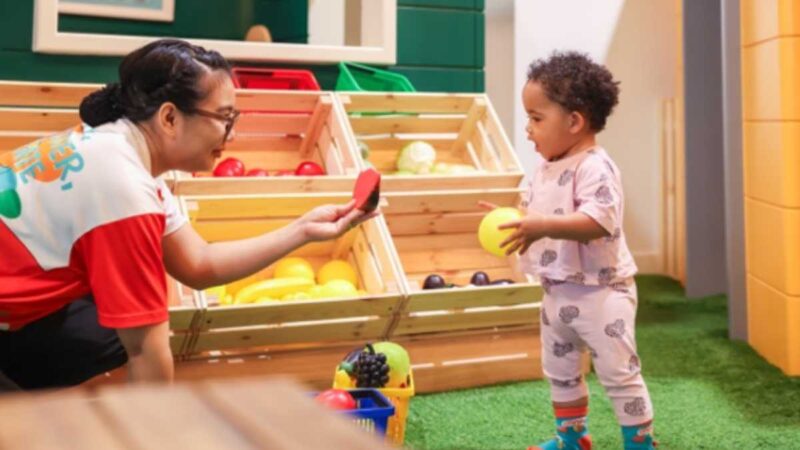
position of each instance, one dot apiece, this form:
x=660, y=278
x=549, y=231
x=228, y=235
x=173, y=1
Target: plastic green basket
x=357, y=77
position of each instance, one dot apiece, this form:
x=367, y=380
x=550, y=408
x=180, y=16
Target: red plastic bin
x=274, y=79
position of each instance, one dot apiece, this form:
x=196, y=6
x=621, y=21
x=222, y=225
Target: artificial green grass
x=708, y=392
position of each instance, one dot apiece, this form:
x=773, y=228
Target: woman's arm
x=198, y=264
x=149, y=355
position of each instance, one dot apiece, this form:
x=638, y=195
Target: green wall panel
x=440, y=42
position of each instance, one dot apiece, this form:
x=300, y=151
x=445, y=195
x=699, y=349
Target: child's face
x=553, y=129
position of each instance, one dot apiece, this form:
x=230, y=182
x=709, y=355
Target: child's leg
x=561, y=363
x=611, y=338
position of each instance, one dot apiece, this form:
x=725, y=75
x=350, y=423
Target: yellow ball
x=488, y=234
x=294, y=266
x=337, y=269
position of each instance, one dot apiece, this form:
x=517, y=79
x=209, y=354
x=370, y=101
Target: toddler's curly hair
x=577, y=83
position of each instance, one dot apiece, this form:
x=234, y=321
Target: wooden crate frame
x=278, y=130
x=306, y=322
x=463, y=128
x=424, y=227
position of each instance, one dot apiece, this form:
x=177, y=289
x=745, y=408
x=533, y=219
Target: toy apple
x=336, y=399
x=309, y=168
x=229, y=167
x=257, y=173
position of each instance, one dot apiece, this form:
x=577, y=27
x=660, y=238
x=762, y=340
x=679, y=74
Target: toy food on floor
x=229, y=167
x=490, y=236
x=293, y=266
x=338, y=399
x=337, y=269
x=383, y=364
x=309, y=168
x=417, y=157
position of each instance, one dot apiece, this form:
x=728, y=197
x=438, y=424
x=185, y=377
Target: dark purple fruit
x=479, y=279
x=433, y=281
x=501, y=282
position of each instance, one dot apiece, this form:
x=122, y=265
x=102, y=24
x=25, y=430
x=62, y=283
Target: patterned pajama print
x=590, y=296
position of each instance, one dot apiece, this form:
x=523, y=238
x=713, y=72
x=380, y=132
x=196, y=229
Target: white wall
x=637, y=41
x=326, y=22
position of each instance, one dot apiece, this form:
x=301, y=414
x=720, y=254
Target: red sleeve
x=124, y=265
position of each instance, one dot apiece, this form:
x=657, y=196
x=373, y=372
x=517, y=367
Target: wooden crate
x=277, y=131
x=305, y=322
x=463, y=128
x=437, y=232
x=32, y=110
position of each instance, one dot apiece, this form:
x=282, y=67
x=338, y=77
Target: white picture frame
x=164, y=10
x=378, y=40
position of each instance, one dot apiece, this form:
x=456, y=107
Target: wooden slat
x=429, y=242
x=443, y=261
x=471, y=297
x=486, y=152
x=417, y=102
x=257, y=142
x=499, y=140
x=262, y=123
x=486, y=180
x=223, y=230
x=258, y=206
x=266, y=185
x=61, y=422
x=405, y=124
x=296, y=311
x=315, y=125
x=467, y=320
x=272, y=101
x=396, y=144
x=181, y=317
x=474, y=115
x=144, y=416
x=20, y=93
x=237, y=338
x=433, y=223
x=448, y=201
x=30, y=119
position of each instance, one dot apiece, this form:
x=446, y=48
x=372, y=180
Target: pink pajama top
x=588, y=182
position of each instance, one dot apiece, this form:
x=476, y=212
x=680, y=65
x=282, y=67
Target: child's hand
x=526, y=231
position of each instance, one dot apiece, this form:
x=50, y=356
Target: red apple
x=336, y=399
x=229, y=167
x=309, y=168
x=257, y=173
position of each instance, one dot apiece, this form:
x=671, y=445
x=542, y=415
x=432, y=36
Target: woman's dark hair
x=167, y=70
x=577, y=83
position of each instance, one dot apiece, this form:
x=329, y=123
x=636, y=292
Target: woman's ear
x=168, y=118
x=576, y=122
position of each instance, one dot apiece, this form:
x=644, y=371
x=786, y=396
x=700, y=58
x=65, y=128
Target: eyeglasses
x=229, y=119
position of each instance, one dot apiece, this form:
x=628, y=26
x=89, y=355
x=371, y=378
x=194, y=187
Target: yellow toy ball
x=337, y=269
x=490, y=236
x=292, y=267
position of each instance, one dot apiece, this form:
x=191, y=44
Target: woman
x=87, y=231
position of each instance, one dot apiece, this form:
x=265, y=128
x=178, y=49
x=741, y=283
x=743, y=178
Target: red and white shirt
x=80, y=213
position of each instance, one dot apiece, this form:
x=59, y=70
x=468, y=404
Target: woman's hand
x=527, y=230
x=331, y=221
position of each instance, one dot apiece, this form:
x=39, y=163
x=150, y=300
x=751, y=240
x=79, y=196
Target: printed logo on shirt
x=48, y=160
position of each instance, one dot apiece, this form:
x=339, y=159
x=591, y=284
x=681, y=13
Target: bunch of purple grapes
x=371, y=369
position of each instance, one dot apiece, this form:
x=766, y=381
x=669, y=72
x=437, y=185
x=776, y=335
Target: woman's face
x=201, y=136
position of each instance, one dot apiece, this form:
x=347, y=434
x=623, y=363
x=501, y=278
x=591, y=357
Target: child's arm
x=575, y=227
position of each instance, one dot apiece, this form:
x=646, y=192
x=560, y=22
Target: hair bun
x=102, y=106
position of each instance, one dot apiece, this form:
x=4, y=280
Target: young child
x=572, y=239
